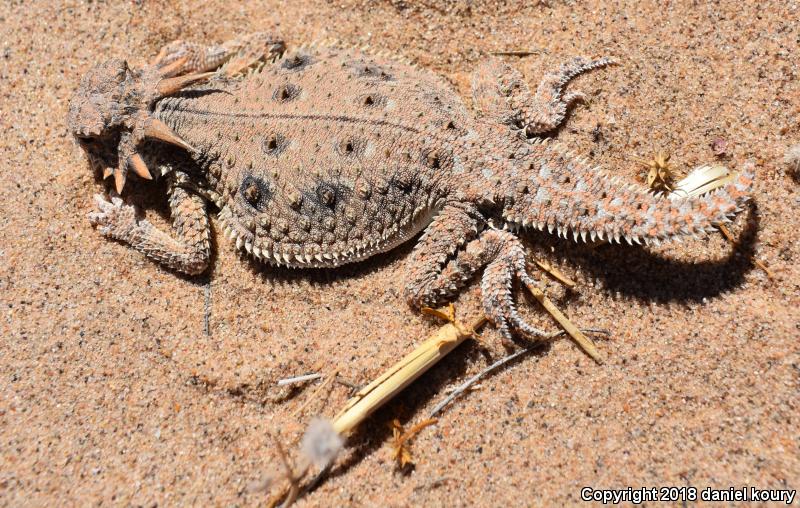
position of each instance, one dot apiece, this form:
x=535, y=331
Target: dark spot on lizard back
x=371, y=100
x=296, y=62
x=274, y=144
x=350, y=147
x=326, y=194
x=286, y=93
x=325, y=197
x=255, y=191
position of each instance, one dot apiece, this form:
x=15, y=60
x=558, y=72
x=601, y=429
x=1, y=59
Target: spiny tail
x=559, y=192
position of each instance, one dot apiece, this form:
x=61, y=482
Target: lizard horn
x=155, y=128
x=169, y=86
x=172, y=68
x=119, y=178
x=139, y=167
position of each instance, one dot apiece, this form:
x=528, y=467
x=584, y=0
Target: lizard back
x=324, y=157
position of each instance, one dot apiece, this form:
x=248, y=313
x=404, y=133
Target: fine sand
x=113, y=392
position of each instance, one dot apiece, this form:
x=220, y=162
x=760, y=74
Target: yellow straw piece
x=555, y=273
x=403, y=373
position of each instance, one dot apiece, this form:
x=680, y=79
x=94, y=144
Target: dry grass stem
x=404, y=372
x=727, y=234
x=582, y=340
x=289, y=493
x=555, y=273
x=298, y=379
x=378, y=392
x=513, y=53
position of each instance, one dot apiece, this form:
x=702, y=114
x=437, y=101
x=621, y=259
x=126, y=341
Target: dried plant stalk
x=403, y=373
x=555, y=273
x=582, y=340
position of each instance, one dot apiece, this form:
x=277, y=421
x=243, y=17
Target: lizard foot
x=548, y=107
x=497, y=284
x=182, y=57
x=115, y=218
x=501, y=93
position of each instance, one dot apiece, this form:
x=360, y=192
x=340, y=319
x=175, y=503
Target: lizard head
x=111, y=113
x=97, y=107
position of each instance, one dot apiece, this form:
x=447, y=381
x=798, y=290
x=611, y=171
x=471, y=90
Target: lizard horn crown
x=111, y=112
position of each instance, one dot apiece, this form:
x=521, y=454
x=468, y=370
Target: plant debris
x=659, y=176
x=469, y=384
x=401, y=438
x=298, y=379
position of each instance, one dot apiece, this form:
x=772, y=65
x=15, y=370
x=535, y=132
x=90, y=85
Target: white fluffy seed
x=321, y=444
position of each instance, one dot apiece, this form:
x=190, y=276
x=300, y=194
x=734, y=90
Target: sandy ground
x=113, y=393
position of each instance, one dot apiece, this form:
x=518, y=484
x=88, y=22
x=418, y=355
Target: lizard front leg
x=501, y=93
x=183, y=57
x=188, y=252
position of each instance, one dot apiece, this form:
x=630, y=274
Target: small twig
x=582, y=340
x=727, y=234
x=469, y=382
x=435, y=483
x=555, y=273
x=290, y=493
x=499, y=363
x=513, y=53
x=298, y=379
x=348, y=384
x=472, y=388
x=207, y=309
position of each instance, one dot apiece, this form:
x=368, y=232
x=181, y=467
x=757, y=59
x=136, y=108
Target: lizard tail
x=559, y=192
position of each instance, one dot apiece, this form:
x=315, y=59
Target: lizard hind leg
x=501, y=93
x=507, y=257
x=183, y=57
x=433, y=273
x=447, y=259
